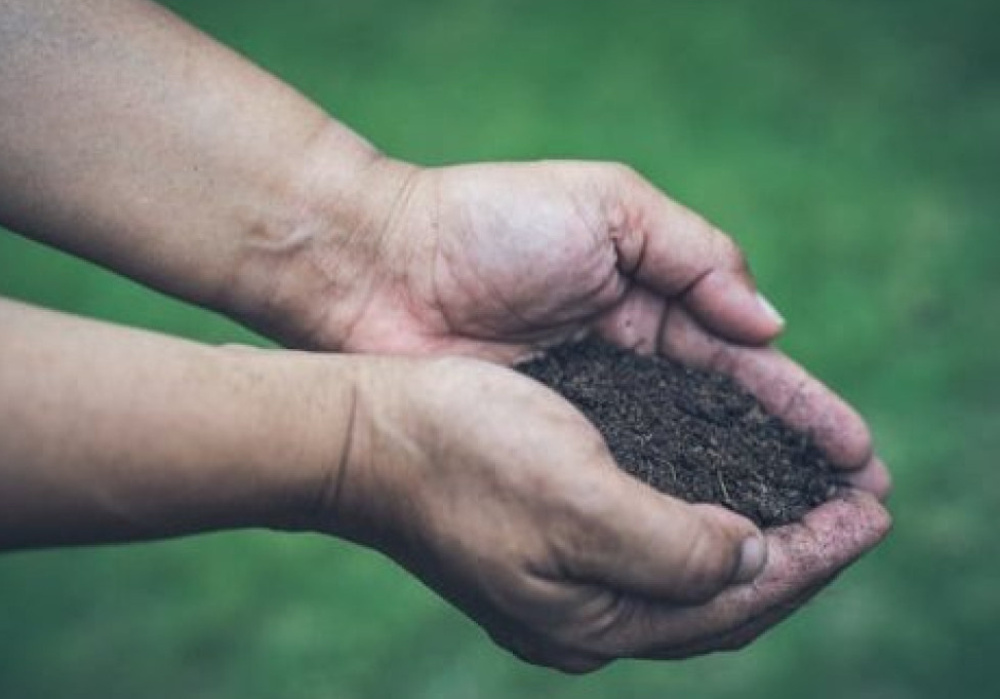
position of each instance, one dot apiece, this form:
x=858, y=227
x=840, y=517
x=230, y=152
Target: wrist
x=303, y=277
x=306, y=408
x=351, y=489
x=362, y=486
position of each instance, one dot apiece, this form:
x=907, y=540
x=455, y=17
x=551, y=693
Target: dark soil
x=689, y=433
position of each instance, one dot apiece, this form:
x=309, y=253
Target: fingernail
x=753, y=556
x=769, y=310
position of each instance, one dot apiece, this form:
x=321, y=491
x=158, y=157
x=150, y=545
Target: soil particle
x=692, y=434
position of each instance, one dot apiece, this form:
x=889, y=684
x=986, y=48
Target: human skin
x=129, y=138
x=487, y=486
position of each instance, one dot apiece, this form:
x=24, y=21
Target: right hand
x=504, y=499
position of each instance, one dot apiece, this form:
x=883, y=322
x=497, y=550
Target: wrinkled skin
x=498, y=262
x=503, y=498
x=128, y=138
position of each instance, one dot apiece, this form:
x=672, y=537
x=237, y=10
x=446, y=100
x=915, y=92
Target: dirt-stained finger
x=800, y=557
x=780, y=384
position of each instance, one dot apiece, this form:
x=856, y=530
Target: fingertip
x=729, y=305
x=768, y=309
x=753, y=558
x=873, y=519
x=746, y=543
x=847, y=526
x=839, y=431
x=873, y=478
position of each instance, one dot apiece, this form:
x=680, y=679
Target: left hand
x=504, y=499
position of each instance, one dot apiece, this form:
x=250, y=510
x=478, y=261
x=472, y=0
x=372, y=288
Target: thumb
x=676, y=252
x=657, y=546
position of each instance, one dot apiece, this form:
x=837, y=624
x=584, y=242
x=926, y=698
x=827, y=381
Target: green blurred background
x=852, y=147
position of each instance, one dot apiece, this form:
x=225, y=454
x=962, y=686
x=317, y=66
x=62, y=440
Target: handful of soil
x=693, y=434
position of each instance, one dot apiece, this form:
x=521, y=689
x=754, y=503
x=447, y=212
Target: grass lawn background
x=853, y=148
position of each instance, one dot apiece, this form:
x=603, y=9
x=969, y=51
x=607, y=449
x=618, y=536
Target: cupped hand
x=499, y=260
x=502, y=497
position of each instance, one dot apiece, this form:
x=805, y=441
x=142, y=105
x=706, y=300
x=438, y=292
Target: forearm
x=132, y=139
x=111, y=434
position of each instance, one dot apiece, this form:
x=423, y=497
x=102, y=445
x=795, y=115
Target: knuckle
x=622, y=171
x=739, y=641
x=730, y=254
x=566, y=661
x=521, y=646
x=595, y=630
x=588, y=535
x=578, y=665
x=571, y=661
x=624, y=168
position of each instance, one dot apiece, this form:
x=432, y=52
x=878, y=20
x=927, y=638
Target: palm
x=528, y=258
x=511, y=258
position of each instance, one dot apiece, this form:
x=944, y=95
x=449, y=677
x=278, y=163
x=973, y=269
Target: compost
x=693, y=434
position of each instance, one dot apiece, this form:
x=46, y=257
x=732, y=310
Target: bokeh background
x=853, y=149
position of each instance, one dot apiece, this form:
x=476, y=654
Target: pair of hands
x=488, y=486
x=499, y=494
